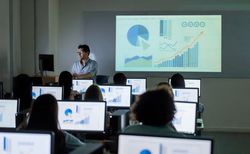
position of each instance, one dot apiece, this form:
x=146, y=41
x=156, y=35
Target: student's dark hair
x=44, y=116
x=166, y=86
x=93, y=93
x=84, y=47
x=154, y=108
x=163, y=83
x=177, y=81
x=65, y=80
x=22, y=89
x=120, y=78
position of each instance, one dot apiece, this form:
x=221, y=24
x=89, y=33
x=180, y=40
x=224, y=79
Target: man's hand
x=75, y=75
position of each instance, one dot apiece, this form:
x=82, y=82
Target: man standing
x=85, y=68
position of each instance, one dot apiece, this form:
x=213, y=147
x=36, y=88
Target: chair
x=102, y=79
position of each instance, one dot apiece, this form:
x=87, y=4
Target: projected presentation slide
x=116, y=96
x=185, y=117
x=138, y=85
x=8, y=110
x=81, y=85
x=128, y=144
x=25, y=143
x=186, y=94
x=81, y=116
x=173, y=43
x=191, y=83
x=56, y=91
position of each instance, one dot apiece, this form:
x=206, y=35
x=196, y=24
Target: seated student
x=65, y=80
x=177, y=81
x=93, y=93
x=166, y=86
x=22, y=89
x=154, y=110
x=44, y=116
x=119, y=79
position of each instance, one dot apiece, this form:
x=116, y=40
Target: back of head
x=120, y=78
x=84, y=48
x=22, y=89
x=177, y=81
x=44, y=114
x=65, y=80
x=154, y=108
x=166, y=86
x=93, y=93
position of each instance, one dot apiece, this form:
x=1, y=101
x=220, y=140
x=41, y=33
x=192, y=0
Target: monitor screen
x=46, y=62
x=26, y=143
x=186, y=94
x=8, y=110
x=185, y=117
x=81, y=85
x=82, y=116
x=191, y=83
x=56, y=91
x=139, y=85
x=143, y=144
x=116, y=96
x=172, y=43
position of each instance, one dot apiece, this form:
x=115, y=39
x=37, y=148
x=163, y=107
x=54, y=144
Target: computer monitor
x=186, y=94
x=81, y=85
x=82, y=116
x=185, y=117
x=46, y=62
x=56, y=91
x=191, y=83
x=26, y=142
x=146, y=144
x=116, y=96
x=139, y=85
x=8, y=110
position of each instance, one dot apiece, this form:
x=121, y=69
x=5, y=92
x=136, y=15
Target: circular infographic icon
x=137, y=34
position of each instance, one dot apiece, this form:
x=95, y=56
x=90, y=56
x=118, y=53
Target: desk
x=39, y=80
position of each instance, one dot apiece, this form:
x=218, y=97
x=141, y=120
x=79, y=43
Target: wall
x=5, y=70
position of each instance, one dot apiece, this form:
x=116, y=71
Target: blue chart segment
x=189, y=58
x=138, y=35
x=117, y=99
x=136, y=89
x=84, y=121
x=165, y=28
x=145, y=151
x=68, y=112
x=139, y=61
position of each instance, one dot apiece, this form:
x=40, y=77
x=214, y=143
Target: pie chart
x=138, y=35
x=145, y=151
x=68, y=112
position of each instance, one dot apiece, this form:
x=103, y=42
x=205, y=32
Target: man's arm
x=83, y=76
x=91, y=74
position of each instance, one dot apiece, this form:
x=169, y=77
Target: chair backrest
x=102, y=79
